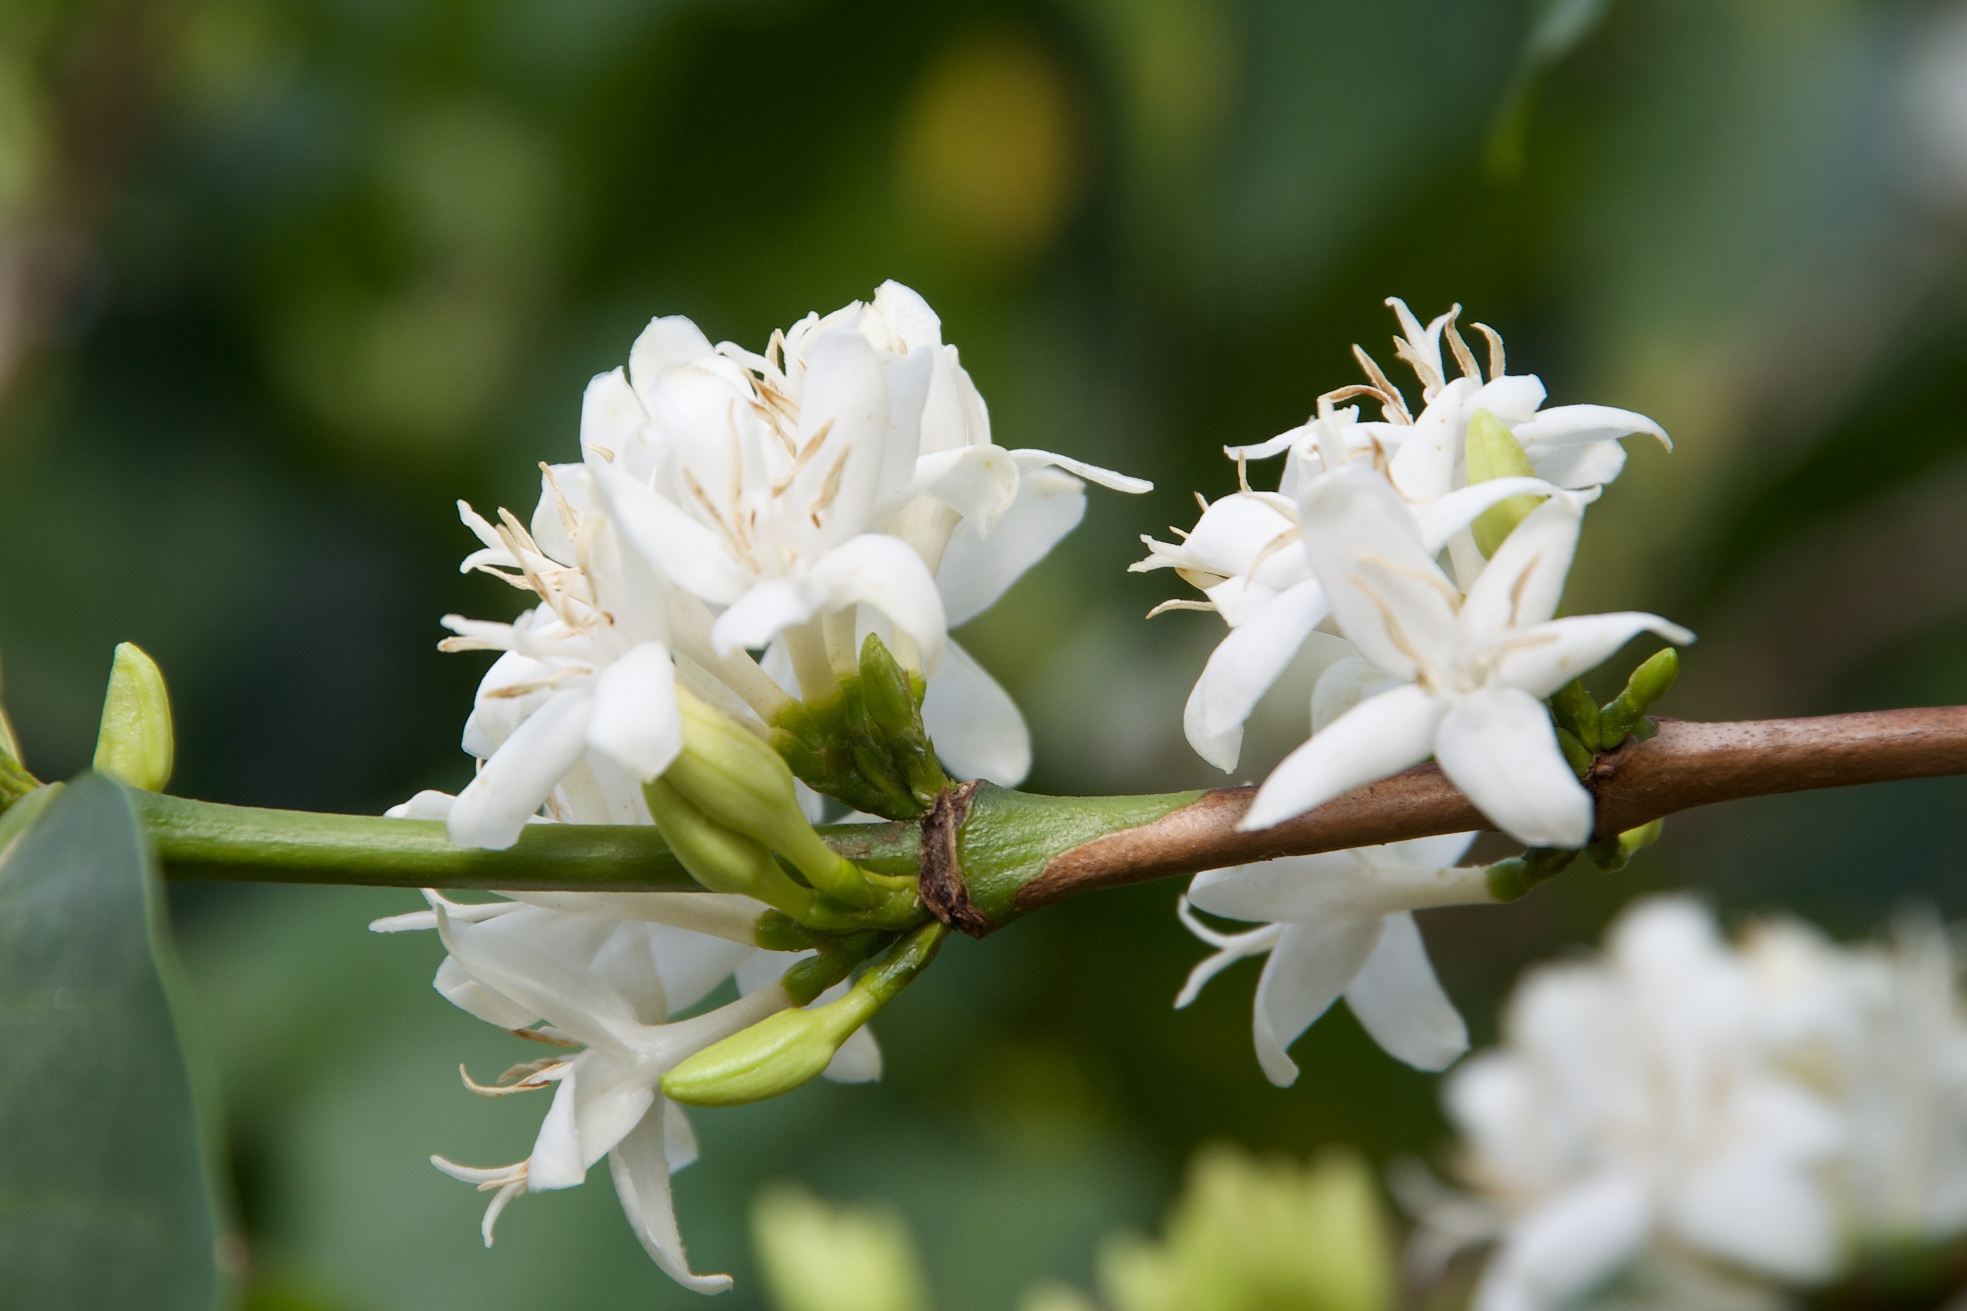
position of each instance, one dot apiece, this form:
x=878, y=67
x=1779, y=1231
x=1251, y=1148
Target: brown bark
x=1684, y=766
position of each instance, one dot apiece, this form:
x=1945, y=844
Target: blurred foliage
x=279, y=282
x=821, y=1257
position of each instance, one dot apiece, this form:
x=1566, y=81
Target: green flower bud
x=135, y=744
x=717, y=857
x=1492, y=451
x=1625, y=713
x=1574, y=710
x=1576, y=754
x=785, y=1050
x=735, y=777
x=773, y=1056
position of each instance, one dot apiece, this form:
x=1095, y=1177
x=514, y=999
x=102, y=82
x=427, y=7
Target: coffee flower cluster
x=1451, y=663
x=1687, y=1123
x=748, y=543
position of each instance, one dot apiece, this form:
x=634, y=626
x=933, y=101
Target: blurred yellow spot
x=990, y=153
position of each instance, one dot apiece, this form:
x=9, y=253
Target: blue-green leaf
x=106, y=1195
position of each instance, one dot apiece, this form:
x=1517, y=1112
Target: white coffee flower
x=1472, y=670
x=1247, y=556
x=607, y=980
x=1637, y=1106
x=1337, y=924
x=792, y=488
x=585, y=685
x=1878, y=1030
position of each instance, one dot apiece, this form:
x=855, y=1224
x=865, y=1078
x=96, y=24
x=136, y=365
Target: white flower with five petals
x=1341, y=924
x=606, y=974
x=1471, y=671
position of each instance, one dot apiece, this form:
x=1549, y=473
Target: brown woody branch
x=1684, y=766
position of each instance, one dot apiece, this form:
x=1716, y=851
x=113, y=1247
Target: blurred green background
x=280, y=281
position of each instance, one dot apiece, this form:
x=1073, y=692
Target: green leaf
x=106, y=1195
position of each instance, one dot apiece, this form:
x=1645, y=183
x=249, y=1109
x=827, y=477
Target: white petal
x=670, y=341
x=1232, y=947
x=568, y=998
x=721, y=915
x=1579, y=466
x=555, y=1161
x=1377, y=737
x=1576, y=1240
x=635, y=721
x=1092, y=473
x=1497, y=745
x=977, y=728
x=612, y=1099
x=1390, y=599
x=978, y=482
x=1441, y=519
x=1583, y=425
x=514, y=783
x=1398, y=1000
x=886, y=573
x=1243, y=667
x=1309, y=968
x=858, y=1059
x=427, y=804
x=679, y=1137
x=611, y=415
x=474, y=998
x=1525, y=577
x=761, y=614
x=640, y=1166
x=1343, y=685
x=684, y=551
x=1544, y=657
x=977, y=569
x=1761, y=1212
x=1290, y=889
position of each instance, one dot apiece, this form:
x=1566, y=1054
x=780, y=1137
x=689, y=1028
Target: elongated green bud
x=717, y=857
x=1624, y=714
x=735, y=777
x=1492, y=451
x=135, y=743
x=785, y=1050
x=1613, y=853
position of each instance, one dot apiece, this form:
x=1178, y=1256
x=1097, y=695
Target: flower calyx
x=866, y=745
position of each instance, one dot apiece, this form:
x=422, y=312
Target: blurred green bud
x=1492, y=451
x=1261, y=1233
x=736, y=778
x=821, y=1257
x=1625, y=713
x=135, y=744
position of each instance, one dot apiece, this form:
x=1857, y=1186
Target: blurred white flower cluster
x=737, y=525
x=1451, y=663
x=1686, y=1123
